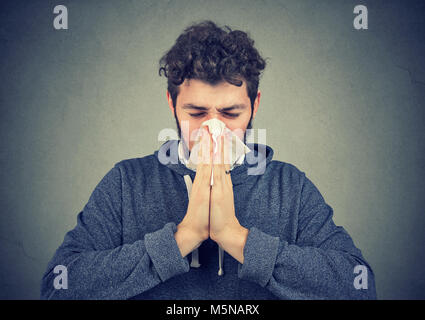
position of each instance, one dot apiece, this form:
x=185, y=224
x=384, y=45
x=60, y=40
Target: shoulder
x=291, y=174
x=287, y=171
x=296, y=180
x=138, y=163
x=135, y=168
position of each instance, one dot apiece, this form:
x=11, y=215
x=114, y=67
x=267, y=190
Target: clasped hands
x=211, y=209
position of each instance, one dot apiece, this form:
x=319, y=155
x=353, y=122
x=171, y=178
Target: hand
x=223, y=220
x=196, y=221
x=225, y=228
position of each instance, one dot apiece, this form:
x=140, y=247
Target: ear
x=170, y=102
x=256, y=104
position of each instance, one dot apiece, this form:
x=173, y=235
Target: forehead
x=201, y=93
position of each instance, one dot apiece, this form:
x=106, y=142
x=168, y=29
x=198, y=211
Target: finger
x=203, y=146
x=218, y=164
x=211, y=145
x=225, y=166
x=200, y=153
x=203, y=169
x=207, y=160
x=198, y=160
x=218, y=160
x=200, y=141
x=226, y=153
x=223, y=163
x=199, y=148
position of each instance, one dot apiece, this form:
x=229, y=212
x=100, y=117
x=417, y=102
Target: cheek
x=238, y=127
x=240, y=133
x=188, y=127
x=190, y=135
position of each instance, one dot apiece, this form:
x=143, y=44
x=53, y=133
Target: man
x=134, y=236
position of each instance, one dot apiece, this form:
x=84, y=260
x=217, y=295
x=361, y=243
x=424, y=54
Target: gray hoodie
x=123, y=245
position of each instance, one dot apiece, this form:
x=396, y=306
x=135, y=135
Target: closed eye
x=227, y=114
x=232, y=115
x=197, y=115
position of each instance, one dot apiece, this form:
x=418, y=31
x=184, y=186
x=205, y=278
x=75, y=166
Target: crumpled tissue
x=216, y=128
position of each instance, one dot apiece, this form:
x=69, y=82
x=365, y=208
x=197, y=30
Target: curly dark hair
x=206, y=52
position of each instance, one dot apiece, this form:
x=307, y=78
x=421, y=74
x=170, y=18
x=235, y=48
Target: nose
x=214, y=115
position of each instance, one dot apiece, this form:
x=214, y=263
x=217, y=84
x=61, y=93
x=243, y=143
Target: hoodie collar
x=254, y=163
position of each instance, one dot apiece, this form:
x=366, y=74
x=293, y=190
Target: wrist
x=228, y=234
x=191, y=234
x=233, y=241
x=186, y=241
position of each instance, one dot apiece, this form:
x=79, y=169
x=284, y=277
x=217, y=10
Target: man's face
x=198, y=101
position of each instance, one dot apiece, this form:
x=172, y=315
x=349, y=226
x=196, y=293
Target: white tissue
x=216, y=128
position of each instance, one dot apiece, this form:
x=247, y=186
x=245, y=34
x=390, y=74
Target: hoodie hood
x=255, y=161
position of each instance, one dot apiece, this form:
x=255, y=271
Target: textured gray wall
x=344, y=106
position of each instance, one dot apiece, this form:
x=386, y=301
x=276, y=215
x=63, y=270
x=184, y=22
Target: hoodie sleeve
x=323, y=263
x=94, y=264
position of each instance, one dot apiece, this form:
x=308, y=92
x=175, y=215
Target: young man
x=135, y=235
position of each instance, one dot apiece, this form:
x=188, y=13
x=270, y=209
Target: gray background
x=344, y=106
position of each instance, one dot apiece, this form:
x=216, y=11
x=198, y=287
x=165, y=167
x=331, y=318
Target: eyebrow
x=202, y=108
